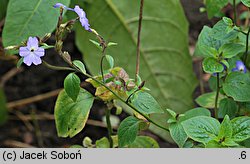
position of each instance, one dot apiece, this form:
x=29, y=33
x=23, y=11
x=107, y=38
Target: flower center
x=32, y=49
x=241, y=68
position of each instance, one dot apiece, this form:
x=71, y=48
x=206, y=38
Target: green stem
x=58, y=68
x=246, y=52
x=217, y=95
x=110, y=130
x=235, y=12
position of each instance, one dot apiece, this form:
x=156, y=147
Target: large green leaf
x=207, y=100
x=71, y=116
x=165, y=62
x=29, y=18
x=145, y=103
x=237, y=86
x=202, y=128
x=241, y=128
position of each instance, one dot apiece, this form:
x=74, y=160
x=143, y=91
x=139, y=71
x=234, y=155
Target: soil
x=32, y=81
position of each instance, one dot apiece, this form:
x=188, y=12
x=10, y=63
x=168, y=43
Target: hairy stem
x=217, y=95
x=246, y=52
x=139, y=41
x=110, y=130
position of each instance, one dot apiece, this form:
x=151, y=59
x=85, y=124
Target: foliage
x=165, y=63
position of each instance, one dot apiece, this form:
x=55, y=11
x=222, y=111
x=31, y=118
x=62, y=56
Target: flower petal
x=85, y=23
x=79, y=11
x=28, y=60
x=32, y=42
x=37, y=60
x=32, y=58
x=24, y=51
x=39, y=52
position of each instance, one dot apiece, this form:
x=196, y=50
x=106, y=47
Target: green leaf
x=227, y=107
x=165, y=63
x=145, y=103
x=29, y=18
x=110, y=60
x=246, y=2
x=207, y=100
x=3, y=107
x=128, y=130
x=213, y=7
x=226, y=130
x=228, y=21
x=231, y=49
x=112, y=44
x=195, y=112
x=241, y=128
x=96, y=44
x=72, y=86
x=178, y=134
x=172, y=113
x=201, y=128
x=176, y=129
x=102, y=143
x=80, y=66
x=211, y=65
x=207, y=46
x=237, y=86
x=144, y=142
x=71, y=116
x=220, y=32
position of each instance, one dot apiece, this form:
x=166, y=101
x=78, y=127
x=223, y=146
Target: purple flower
x=240, y=67
x=31, y=53
x=82, y=16
x=58, y=5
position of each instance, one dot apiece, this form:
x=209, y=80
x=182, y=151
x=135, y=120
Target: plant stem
x=58, y=68
x=217, y=95
x=235, y=12
x=101, y=65
x=110, y=130
x=246, y=52
x=139, y=41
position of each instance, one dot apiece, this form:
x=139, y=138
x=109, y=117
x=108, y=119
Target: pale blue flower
x=240, y=67
x=32, y=53
x=82, y=16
